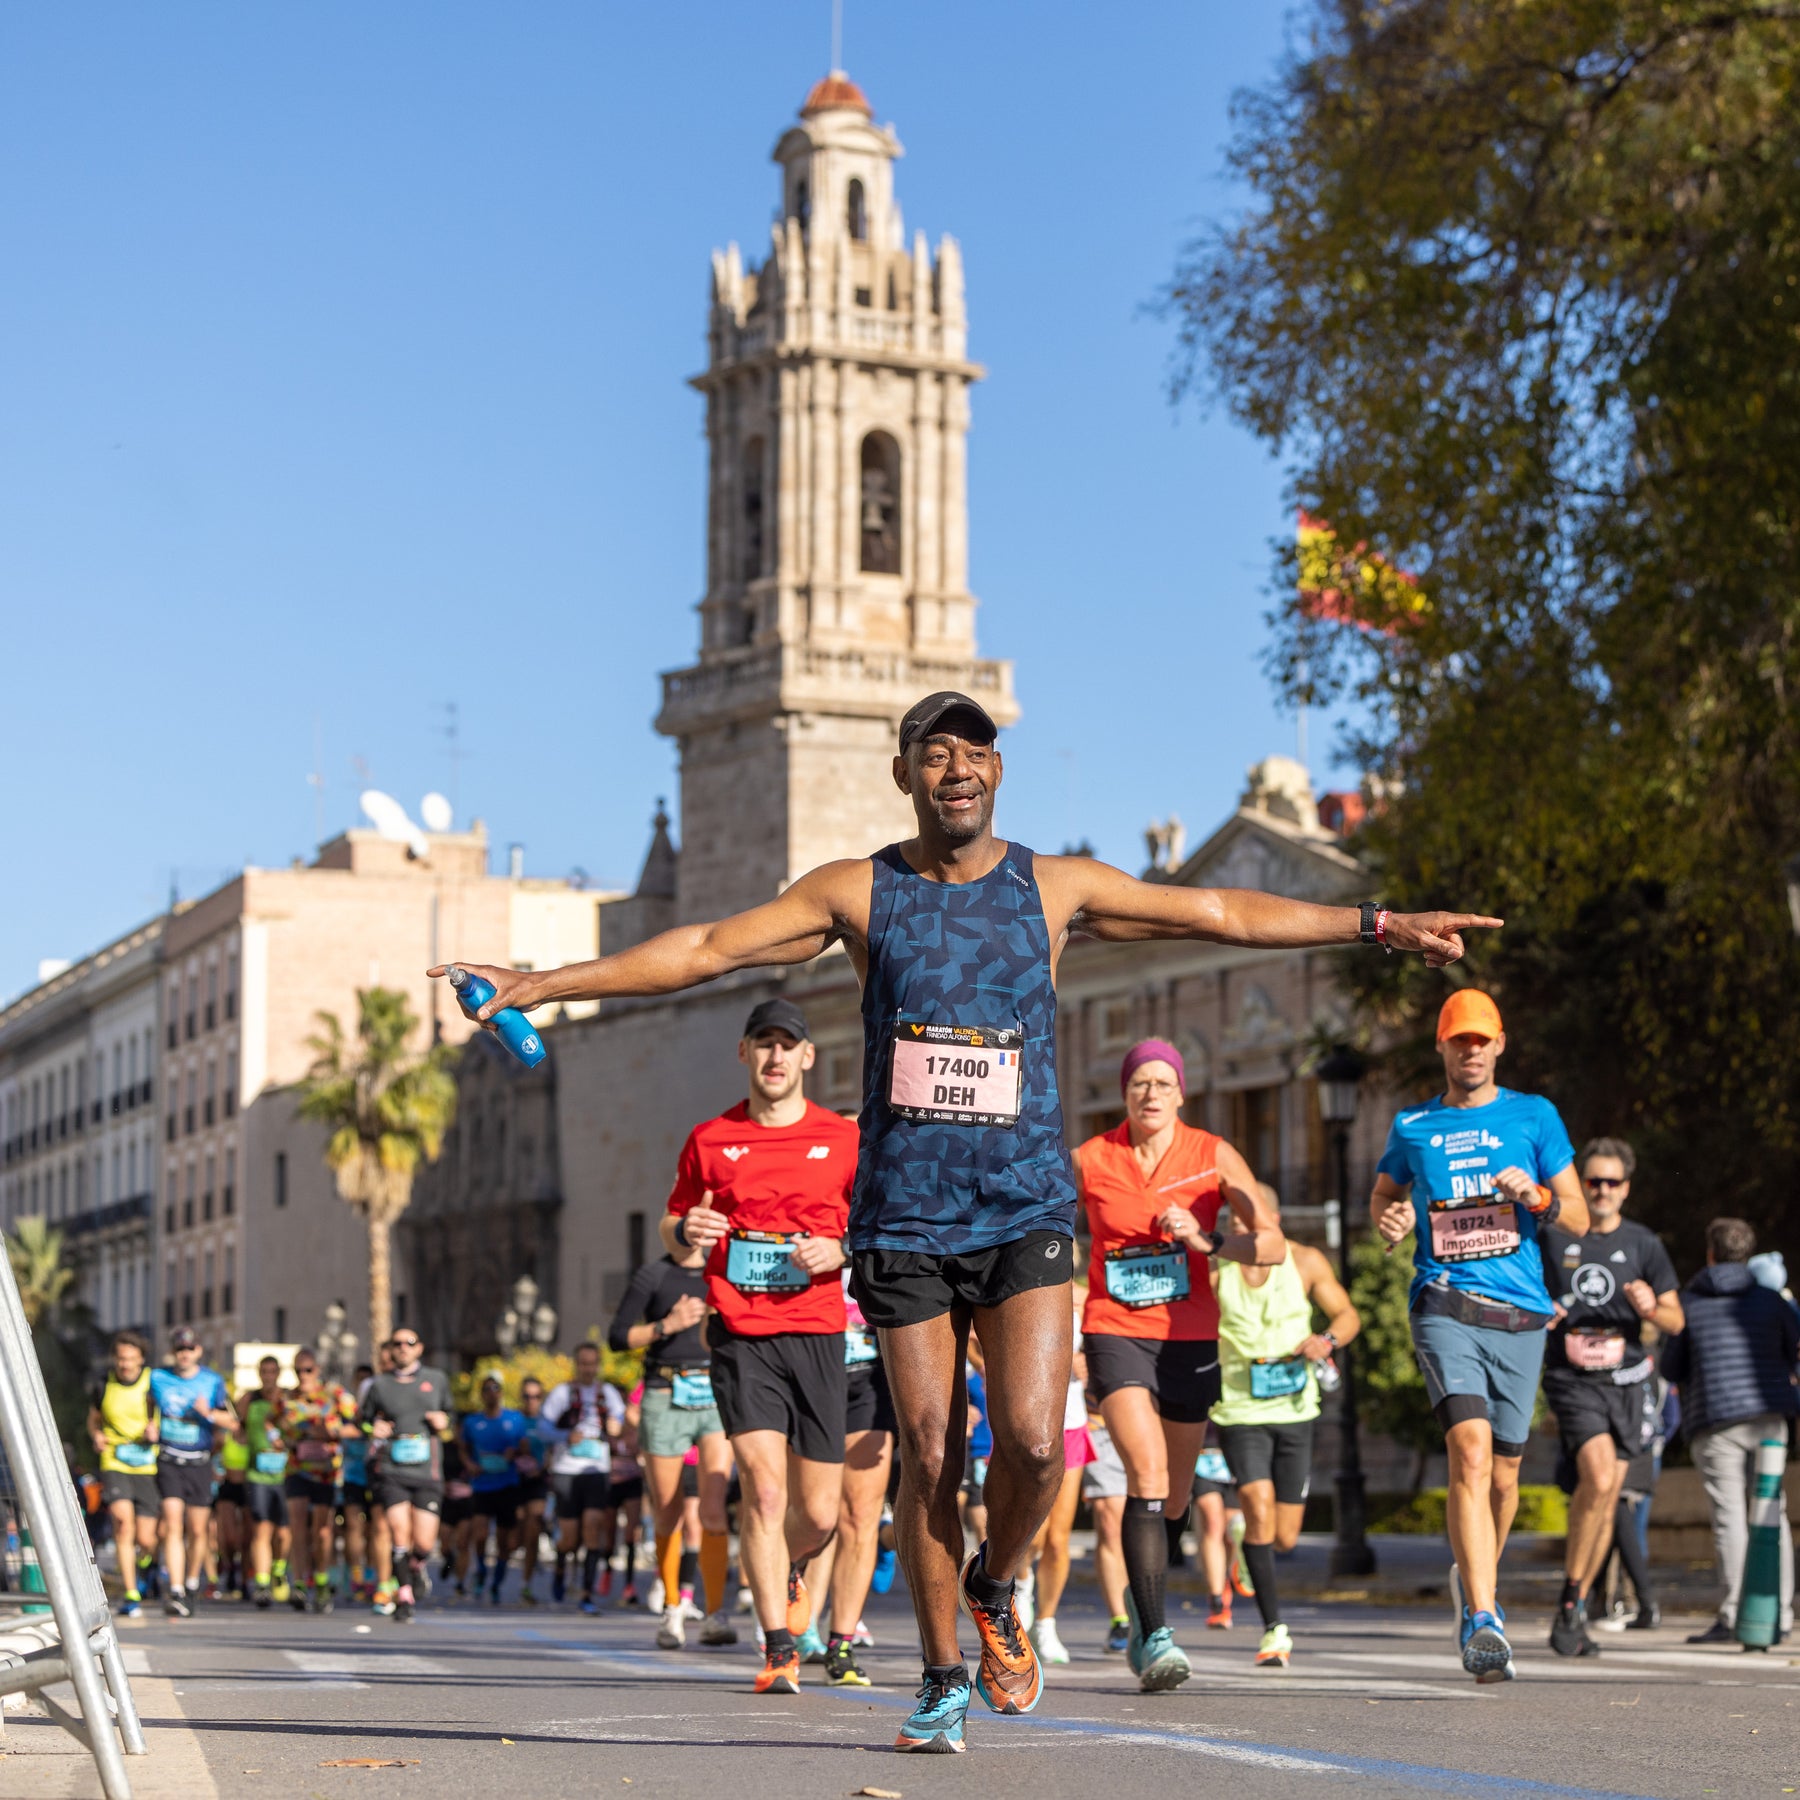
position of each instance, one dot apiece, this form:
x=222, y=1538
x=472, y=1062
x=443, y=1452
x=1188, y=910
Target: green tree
x=35, y=1252
x=1390, y=1390
x=387, y=1109
x=1518, y=297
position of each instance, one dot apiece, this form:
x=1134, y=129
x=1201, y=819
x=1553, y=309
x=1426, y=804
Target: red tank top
x=1122, y=1208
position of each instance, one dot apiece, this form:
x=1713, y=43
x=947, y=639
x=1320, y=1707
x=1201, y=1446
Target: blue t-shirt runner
x=490, y=1439
x=184, y=1401
x=1468, y=1236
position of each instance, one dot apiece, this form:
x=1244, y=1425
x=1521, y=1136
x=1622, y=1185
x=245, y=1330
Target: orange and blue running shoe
x=780, y=1673
x=799, y=1602
x=1009, y=1679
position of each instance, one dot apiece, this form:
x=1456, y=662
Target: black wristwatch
x=1214, y=1241
x=1367, y=913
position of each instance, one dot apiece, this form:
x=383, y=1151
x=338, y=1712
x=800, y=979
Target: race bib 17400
x=762, y=1262
x=1147, y=1275
x=1470, y=1230
x=956, y=1074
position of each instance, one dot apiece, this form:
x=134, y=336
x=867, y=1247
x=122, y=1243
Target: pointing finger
x=1462, y=921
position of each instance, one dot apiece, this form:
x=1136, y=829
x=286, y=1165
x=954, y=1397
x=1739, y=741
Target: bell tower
x=837, y=414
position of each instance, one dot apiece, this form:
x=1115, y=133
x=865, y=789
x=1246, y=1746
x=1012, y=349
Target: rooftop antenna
x=837, y=34
x=316, y=781
x=452, y=730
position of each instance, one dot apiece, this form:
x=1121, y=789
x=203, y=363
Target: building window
x=169, y=1218
x=231, y=987
x=281, y=1178
x=634, y=1239
x=193, y=1004
x=856, y=216
x=1115, y=1024
x=169, y=1299
x=281, y=1324
x=228, y=1199
x=206, y=1289
x=880, y=504
x=754, y=456
x=1256, y=1130
x=231, y=1082
x=227, y=1292
x=212, y=995
x=206, y=1193
x=212, y=1090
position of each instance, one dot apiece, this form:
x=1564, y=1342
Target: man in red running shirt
x=764, y=1189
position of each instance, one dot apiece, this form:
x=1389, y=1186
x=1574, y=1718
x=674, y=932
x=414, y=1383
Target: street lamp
x=524, y=1321
x=1339, y=1076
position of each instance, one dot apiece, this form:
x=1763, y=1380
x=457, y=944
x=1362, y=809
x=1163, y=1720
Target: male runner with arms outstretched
x=964, y=1206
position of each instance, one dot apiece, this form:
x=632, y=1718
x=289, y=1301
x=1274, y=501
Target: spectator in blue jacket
x=1735, y=1367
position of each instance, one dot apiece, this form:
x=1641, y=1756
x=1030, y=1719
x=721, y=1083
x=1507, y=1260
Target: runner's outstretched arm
x=1107, y=903
x=794, y=927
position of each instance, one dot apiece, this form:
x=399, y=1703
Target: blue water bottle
x=510, y=1025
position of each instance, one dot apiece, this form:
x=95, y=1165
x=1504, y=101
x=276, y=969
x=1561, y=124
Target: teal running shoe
x=810, y=1645
x=1157, y=1661
x=936, y=1723
x=1485, y=1652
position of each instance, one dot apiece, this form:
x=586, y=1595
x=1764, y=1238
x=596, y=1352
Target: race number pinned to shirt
x=956, y=1074
x=1469, y=1230
x=762, y=1262
x=860, y=1346
x=1595, y=1349
x=1147, y=1275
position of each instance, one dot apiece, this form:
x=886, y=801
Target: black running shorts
x=313, y=1491
x=584, y=1493
x=1278, y=1453
x=1590, y=1406
x=189, y=1482
x=906, y=1287
x=268, y=1504
x=868, y=1406
x=499, y=1504
x=139, y=1487
x=1182, y=1374
x=397, y=1487
x=794, y=1383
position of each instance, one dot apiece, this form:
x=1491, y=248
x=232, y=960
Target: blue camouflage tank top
x=962, y=1130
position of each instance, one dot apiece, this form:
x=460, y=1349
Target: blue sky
x=344, y=355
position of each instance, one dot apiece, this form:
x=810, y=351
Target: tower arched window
x=880, y=504
x=753, y=509
x=857, y=213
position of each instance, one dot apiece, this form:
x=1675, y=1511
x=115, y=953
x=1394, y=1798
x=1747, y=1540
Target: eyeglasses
x=406, y=1343
x=1143, y=1090
x=1608, y=1181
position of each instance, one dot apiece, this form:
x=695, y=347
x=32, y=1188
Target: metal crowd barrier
x=76, y=1643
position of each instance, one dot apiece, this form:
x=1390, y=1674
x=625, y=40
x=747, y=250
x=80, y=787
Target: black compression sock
x=590, y=1567
x=402, y=1562
x=1146, y=1546
x=984, y=1587
x=1631, y=1552
x=779, y=1642
x=1261, y=1561
x=690, y=1571
x=1571, y=1594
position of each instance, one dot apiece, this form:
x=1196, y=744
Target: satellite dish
x=389, y=818
x=434, y=809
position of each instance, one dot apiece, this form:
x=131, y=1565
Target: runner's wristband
x=1213, y=1240
x=680, y=1233
x=1546, y=1199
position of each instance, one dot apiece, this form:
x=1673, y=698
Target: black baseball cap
x=777, y=1015
x=923, y=716
x=184, y=1337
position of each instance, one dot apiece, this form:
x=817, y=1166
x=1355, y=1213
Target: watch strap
x=1367, y=914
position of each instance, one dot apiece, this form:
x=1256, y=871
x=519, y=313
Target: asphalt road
x=476, y=1700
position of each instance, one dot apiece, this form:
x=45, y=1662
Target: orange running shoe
x=799, y=1603
x=780, y=1673
x=1220, y=1618
x=1009, y=1679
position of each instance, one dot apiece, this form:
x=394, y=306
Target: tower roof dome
x=836, y=92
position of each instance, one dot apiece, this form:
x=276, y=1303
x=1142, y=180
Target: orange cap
x=1469, y=1010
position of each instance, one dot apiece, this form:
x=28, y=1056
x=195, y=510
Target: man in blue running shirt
x=491, y=1440
x=963, y=1212
x=1479, y=1172
x=193, y=1402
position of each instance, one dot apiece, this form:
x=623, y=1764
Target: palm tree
x=387, y=1109
x=35, y=1252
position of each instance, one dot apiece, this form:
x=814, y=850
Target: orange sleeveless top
x=1122, y=1208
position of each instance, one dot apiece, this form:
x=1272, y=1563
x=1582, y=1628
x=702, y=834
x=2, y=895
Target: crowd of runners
x=927, y=1335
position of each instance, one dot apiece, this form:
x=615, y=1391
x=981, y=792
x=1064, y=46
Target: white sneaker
x=1046, y=1643
x=862, y=1638
x=656, y=1599
x=744, y=1600
x=717, y=1628
x=672, y=1633
x=1025, y=1598
x=690, y=1609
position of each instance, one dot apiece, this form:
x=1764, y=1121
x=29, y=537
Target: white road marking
x=137, y=1662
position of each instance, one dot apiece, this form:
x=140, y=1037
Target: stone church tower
x=837, y=589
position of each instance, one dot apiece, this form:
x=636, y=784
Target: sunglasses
x=1607, y=1181
x=406, y=1343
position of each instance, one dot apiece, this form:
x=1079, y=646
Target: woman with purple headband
x=1154, y=1190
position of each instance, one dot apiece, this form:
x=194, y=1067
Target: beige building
x=253, y=1241
x=77, y=1091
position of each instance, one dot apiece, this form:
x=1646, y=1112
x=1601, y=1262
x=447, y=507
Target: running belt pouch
x=1143, y=1275
x=1272, y=1377
x=411, y=1448
x=135, y=1456
x=271, y=1462
x=762, y=1262
x=1471, y=1309
x=691, y=1390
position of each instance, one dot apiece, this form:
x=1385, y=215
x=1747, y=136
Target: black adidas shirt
x=1587, y=1277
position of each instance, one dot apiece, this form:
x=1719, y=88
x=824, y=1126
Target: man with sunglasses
x=407, y=1414
x=1479, y=1171
x=193, y=1403
x=1599, y=1377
